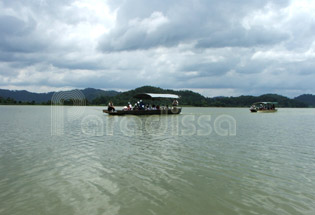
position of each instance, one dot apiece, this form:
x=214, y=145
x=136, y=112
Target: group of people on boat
x=263, y=107
x=266, y=107
x=141, y=106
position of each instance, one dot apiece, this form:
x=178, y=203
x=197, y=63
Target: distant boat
x=264, y=107
x=150, y=111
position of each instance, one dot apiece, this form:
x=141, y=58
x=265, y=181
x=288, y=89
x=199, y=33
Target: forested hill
x=246, y=101
x=187, y=97
x=195, y=99
x=25, y=96
x=307, y=99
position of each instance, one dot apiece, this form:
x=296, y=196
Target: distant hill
x=25, y=96
x=195, y=99
x=307, y=99
x=91, y=93
x=187, y=97
x=246, y=101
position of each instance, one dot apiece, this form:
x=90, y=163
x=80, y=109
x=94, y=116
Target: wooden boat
x=150, y=96
x=264, y=107
x=144, y=112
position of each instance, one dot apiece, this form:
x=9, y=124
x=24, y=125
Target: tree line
x=11, y=101
x=187, y=98
x=190, y=98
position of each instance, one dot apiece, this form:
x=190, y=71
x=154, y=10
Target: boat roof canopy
x=155, y=96
x=272, y=103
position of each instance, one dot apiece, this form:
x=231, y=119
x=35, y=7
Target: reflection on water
x=192, y=163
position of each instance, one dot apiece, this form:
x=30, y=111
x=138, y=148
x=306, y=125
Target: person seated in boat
x=175, y=103
x=129, y=106
x=111, y=106
x=141, y=105
x=158, y=107
x=135, y=107
x=153, y=107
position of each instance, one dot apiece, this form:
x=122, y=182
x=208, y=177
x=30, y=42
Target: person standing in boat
x=111, y=106
x=175, y=103
x=129, y=106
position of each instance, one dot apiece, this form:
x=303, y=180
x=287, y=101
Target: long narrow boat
x=264, y=107
x=150, y=96
x=176, y=110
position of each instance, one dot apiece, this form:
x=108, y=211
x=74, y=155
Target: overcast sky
x=215, y=47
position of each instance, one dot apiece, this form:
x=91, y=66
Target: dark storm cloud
x=210, y=23
x=242, y=38
x=234, y=47
x=16, y=35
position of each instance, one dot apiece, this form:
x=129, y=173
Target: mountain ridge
x=190, y=98
x=308, y=99
x=26, y=96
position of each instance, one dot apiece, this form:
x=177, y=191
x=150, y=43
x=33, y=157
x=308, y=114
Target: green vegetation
x=246, y=101
x=10, y=101
x=42, y=98
x=307, y=99
x=71, y=102
x=187, y=98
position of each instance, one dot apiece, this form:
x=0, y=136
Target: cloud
x=227, y=47
x=136, y=34
x=209, y=23
x=16, y=35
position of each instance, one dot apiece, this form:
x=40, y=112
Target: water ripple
x=267, y=168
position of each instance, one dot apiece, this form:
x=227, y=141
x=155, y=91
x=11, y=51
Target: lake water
x=76, y=160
